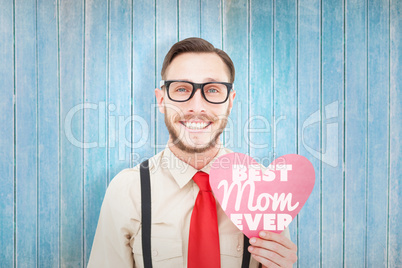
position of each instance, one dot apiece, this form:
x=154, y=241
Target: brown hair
x=196, y=45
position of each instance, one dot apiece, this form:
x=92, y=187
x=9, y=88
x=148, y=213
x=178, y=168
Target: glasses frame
x=196, y=86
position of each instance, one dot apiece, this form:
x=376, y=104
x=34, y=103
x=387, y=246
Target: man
x=196, y=98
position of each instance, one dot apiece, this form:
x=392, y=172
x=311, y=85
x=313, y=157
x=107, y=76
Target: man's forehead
x=204, y=56
x=209, y=63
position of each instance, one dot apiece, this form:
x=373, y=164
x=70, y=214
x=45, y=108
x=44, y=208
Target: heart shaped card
x=256, y=198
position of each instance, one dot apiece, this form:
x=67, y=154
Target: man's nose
x=197, y=102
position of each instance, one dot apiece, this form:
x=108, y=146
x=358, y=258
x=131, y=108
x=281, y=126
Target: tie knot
x=202, y=180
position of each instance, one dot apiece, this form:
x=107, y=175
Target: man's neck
x=196, y=160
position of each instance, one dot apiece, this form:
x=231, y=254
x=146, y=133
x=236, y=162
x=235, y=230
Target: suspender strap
x=146, y=213
x=146, y=220
x=246, y=254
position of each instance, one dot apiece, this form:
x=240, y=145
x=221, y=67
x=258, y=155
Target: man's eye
x=212, y=90
x=181, y=89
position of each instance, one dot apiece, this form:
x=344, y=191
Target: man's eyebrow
x=211, y=80
x=206, y=80
x=183, y=79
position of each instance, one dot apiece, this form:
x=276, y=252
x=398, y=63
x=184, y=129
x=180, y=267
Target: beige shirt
x=117, y=241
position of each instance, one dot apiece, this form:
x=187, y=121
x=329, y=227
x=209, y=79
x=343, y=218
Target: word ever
x=283, y=221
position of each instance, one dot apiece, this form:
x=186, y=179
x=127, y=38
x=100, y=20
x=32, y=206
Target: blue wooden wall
x=318, y=78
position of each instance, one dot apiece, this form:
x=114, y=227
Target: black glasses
x=181, y=91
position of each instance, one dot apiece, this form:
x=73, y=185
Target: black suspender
x=246, y=254
x=146, y=213
x=146, y=220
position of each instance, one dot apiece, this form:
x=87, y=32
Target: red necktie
x=203, y=245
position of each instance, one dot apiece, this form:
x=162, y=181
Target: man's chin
x=195, y=148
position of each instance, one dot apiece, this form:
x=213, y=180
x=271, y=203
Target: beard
x=177, y=138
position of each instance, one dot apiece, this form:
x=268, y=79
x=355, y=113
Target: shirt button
x=238, y=248
x=154, y=253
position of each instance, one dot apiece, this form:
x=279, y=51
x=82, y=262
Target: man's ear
x=232, y=96
x=160, y=94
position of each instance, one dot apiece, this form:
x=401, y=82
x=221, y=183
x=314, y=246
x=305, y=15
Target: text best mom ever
x=258, y=202
x=258, y=199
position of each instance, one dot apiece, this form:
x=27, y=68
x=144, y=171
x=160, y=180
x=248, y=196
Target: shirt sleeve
x=118, y=224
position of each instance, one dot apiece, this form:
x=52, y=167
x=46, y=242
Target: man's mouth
x=196, y=125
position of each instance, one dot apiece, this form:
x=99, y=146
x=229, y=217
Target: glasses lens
x=180, y=91
x=215, y=92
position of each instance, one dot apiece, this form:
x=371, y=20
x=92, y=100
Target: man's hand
x=273, y=250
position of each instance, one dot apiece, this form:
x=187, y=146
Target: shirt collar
x=181, y=171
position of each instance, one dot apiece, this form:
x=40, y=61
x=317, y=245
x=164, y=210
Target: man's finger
x=268, y=256
x=265, y=262
x=271, y=246
x=278, y=238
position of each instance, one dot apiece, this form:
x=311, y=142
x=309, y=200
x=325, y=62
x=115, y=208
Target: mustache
x=200, y=117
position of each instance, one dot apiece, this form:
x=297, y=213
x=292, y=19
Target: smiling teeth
x=195, y=125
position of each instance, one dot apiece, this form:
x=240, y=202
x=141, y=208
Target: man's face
x=195, y=125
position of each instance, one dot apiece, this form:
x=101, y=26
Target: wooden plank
x=189, y=18
x=235, y=43
x=355, y=134
x=119, y=86
x=395, y=151
x=95, y=132
x=285, y=91
x=378, y=104
x=260, y=136
x=71, y=38
x=211, y=22
x=332, y=133
x=7, y=230
x=48, y=134
x=26, y=133
x=309, y=120
x=144, y=75
x=166, y=36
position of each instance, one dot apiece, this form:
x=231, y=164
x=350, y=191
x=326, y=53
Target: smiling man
x=183, y=226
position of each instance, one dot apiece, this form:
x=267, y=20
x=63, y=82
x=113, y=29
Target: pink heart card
x=256, y=198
